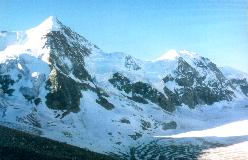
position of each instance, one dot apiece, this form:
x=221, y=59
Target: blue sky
x=216, y=29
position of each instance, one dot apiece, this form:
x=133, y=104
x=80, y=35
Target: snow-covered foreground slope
x=55, y=83
x=223, y=119
x=202, y=133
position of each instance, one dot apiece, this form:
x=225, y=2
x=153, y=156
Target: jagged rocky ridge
x=68, y=75
x=63, y=82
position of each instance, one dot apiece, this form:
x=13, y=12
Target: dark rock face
x=5, y=84
x=194, y=87
x=202, y=95
x=105, y=103
x=66, y=44
x=217, y=72
x=145, y=125
x=37, y=101
x=67, y=54
x=244, y=89
x=64, y=92
x=152, y=94
x=173, y=97
x=141, y=92
x=169, y=125
x=121, y=82
x=168, y=78
x=136, y=136
x=131, y=64
x=124, y=120
x=242, y=83
x=185, y=74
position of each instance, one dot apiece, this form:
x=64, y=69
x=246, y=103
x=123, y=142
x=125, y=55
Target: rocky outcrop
x=69, y=77
x=194, y=88
x=141, y=92
x=64, y=93
x=240, y=83
x=67, y=53
x=169, y=125
x=131, y=64
x=5, y=84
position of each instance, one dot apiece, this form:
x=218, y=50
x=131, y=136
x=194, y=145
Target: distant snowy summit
x=55, y=82
x=173, y=54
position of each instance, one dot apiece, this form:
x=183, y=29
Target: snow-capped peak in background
x=173, y=54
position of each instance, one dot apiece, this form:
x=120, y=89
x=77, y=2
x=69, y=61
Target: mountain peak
x=173, y=54
x=49, y=24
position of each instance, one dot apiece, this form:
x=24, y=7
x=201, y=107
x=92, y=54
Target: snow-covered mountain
x=55, y=83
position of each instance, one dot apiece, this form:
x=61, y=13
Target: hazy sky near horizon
x=217, y=29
